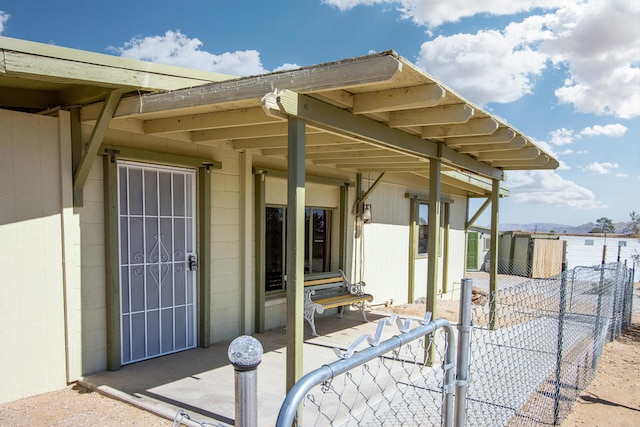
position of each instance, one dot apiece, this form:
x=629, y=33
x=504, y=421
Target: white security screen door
x=157, y=260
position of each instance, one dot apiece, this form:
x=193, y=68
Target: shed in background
x=530, y=255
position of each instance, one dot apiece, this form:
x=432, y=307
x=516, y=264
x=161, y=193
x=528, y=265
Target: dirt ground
x=612, y=399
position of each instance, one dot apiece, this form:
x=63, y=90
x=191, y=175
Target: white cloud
x=286, y=66
x=622, y=175
x=4, y=17
x=614, y=130
x=600, y=43
x=597, y=168
x=489, y=66
x=562, y=136
x=175, y=48
x=548, y=188
x=432, y=13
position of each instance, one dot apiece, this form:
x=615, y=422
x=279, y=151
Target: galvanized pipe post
x=560, y=343
x=598, y=326
x=462, y=363
x=245, y=354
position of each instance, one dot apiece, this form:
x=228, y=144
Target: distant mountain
x=559, y=228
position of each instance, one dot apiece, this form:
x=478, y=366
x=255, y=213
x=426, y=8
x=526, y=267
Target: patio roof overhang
x=415, y=117
x=376, y=113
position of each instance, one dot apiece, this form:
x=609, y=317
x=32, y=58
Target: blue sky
x=564, y=72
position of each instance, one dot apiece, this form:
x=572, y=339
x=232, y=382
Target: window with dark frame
x=317, y=246
x=423, y=228
x=275, y=248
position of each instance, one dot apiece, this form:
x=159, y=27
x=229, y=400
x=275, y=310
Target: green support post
x=295, y=249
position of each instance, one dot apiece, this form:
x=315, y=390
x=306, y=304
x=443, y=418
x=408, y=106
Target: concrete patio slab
x=201, y=381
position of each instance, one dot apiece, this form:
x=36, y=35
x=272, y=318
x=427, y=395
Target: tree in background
x=605, y=225
x=633, y=227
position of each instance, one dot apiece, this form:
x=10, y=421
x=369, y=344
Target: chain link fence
x=545, y=344
x=530, y=347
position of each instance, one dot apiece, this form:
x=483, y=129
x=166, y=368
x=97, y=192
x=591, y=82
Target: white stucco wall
x=31, y=273
x=386, y=247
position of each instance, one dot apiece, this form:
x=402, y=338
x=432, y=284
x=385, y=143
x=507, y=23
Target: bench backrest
x=324, y=281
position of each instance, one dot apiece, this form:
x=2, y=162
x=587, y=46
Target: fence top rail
x=326, y=372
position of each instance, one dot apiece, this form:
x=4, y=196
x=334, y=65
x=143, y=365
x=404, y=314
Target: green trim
x=413, y=248
x=156, y=157
x=112, y=262
x=434, y=234
x=205, y=255
x=295, y=252
x=344, y=223
x=97, y=135
x=312, y=110
x=281, y=173
x=260, y=257
x=445, y=248
x=76, y=138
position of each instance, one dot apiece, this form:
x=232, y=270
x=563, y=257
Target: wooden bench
x=330, y=290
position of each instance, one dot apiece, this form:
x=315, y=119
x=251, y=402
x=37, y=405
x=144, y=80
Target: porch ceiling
x=382, y=91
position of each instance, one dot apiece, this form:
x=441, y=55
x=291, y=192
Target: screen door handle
x=192, y=262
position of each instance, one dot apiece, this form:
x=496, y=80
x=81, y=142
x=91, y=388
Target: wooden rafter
x=445, y=114
x=398, y=99
x=474, y=127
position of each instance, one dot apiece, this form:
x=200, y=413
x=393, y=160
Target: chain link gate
x=407, y=379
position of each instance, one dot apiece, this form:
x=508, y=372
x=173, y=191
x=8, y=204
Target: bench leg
x=362, y=307
x=340, y=314
x=310, y=316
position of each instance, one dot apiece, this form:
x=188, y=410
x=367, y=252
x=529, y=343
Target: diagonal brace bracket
x=99, y=130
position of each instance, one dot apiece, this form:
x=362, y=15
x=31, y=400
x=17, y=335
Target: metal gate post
x=245, y=354
x=462, y=364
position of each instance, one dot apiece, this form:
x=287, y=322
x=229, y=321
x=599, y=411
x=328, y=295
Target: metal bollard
x=245, y=354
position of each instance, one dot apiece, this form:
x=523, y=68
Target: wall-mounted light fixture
x=366, y=213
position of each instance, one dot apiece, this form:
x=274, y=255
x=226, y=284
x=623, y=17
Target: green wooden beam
x=433, y=245
x=344, y=224
x=260, y=249
x=205, y=255
x=161, y=158
x=445, y=248
x=475, y=217
x=99, y=130
x=433, y=239
x=295, y=250
x=289, y=103
x=413, y=248
x=76, y=139
x=112, y=261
